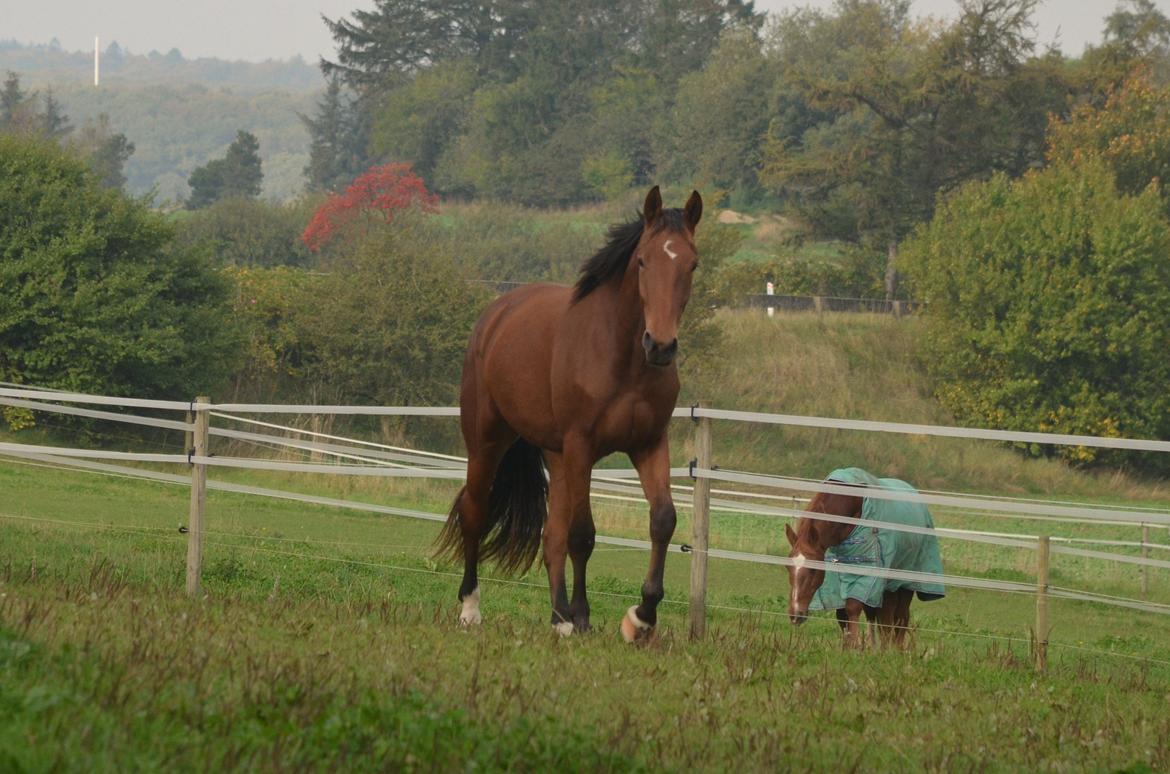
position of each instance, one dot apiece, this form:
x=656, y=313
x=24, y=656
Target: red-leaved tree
x=375, y=196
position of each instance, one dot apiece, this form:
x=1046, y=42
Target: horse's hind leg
x=851, y=631
x=582, y=534
x=885, y=618
x=569, y=530
x=487, y=442
x=902, y=616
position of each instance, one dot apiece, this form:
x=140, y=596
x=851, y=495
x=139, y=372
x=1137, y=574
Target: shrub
x=248, y=232
x=1048, y=304
x=844, y=271
x=96, y=296
x=371, y=199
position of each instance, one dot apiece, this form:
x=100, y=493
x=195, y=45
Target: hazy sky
x=265, y=29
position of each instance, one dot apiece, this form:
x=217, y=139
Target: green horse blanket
x=876, y=547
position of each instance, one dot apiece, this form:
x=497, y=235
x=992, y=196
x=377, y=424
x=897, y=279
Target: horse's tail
x=517, y=507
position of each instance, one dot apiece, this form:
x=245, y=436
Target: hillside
x=181, y=113
x=861, y=367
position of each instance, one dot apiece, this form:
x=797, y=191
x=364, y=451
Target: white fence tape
x=950, y=580
x=969, y=503
x=373, y=456
x=343, y=439
x=1109, y=556
x=100, y=400
x=23, y=449
x=1009, y=436
x=451, y=467
x=373, y=411
x=131, y=419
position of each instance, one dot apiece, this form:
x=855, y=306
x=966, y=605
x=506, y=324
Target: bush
x=506, y=243
x=699, y=335
x=1048, y=305
x=392, y=319
x=373, y=198
x=843, y=271
x=96, y=296
x=272, y=305
x=248, y=232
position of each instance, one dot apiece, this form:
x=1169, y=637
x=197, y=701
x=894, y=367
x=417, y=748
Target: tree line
x=852, y=119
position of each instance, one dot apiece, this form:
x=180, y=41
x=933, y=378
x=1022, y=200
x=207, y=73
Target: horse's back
x=907, y=550
x=888, y=548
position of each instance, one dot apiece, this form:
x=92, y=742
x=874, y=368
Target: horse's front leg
x=569, y=530
x=852, y=630
x=653, y=466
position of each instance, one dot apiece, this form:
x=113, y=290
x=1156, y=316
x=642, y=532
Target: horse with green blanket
x=839, y=539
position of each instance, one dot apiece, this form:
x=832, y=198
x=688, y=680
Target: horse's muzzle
x=657, y=353
x=798, y=617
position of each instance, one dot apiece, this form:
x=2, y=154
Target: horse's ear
x=693, y=211
x=652, y=209
x=791, y=535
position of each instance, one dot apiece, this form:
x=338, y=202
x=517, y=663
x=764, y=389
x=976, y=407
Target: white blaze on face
x=797, y=565
x=669, y=252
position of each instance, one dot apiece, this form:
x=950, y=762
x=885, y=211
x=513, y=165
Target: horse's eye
x=641, y=264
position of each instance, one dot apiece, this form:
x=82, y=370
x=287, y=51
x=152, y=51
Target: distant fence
x=364, y=458
x=822, y=304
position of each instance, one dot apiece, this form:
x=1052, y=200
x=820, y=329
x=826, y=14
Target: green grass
x=326, y=639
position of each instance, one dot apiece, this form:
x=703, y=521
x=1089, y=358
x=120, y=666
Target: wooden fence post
x=198, y=448
x=1145, y=555
x=1041, y=644
x=700, y=529
x=818, y=304
x=189, y=436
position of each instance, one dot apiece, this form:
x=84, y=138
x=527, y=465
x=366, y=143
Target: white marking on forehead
x=670, y=252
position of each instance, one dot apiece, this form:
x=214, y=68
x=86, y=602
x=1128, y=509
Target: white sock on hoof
x=470, y=615
x=564, y=628
x=632, y=625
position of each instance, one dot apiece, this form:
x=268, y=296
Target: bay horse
x=885, y=602
x=568, y=375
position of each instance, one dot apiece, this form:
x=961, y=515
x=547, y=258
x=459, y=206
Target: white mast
x=96, y=61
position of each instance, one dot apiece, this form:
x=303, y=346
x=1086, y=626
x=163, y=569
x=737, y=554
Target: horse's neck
x=623, y=316
x=831, y=533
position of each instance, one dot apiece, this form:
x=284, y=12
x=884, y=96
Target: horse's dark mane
x=611, y=260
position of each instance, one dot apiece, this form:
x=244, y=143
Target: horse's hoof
x=470, y=614
x=563, y=629
x=633, y=628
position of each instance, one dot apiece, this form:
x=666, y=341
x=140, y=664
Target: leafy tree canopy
x=95, y=297
x=1049, y=302
x=237, y=174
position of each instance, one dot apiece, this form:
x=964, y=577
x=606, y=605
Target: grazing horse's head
x=809, y=541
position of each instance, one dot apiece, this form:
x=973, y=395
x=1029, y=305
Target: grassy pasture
x=326, y=638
